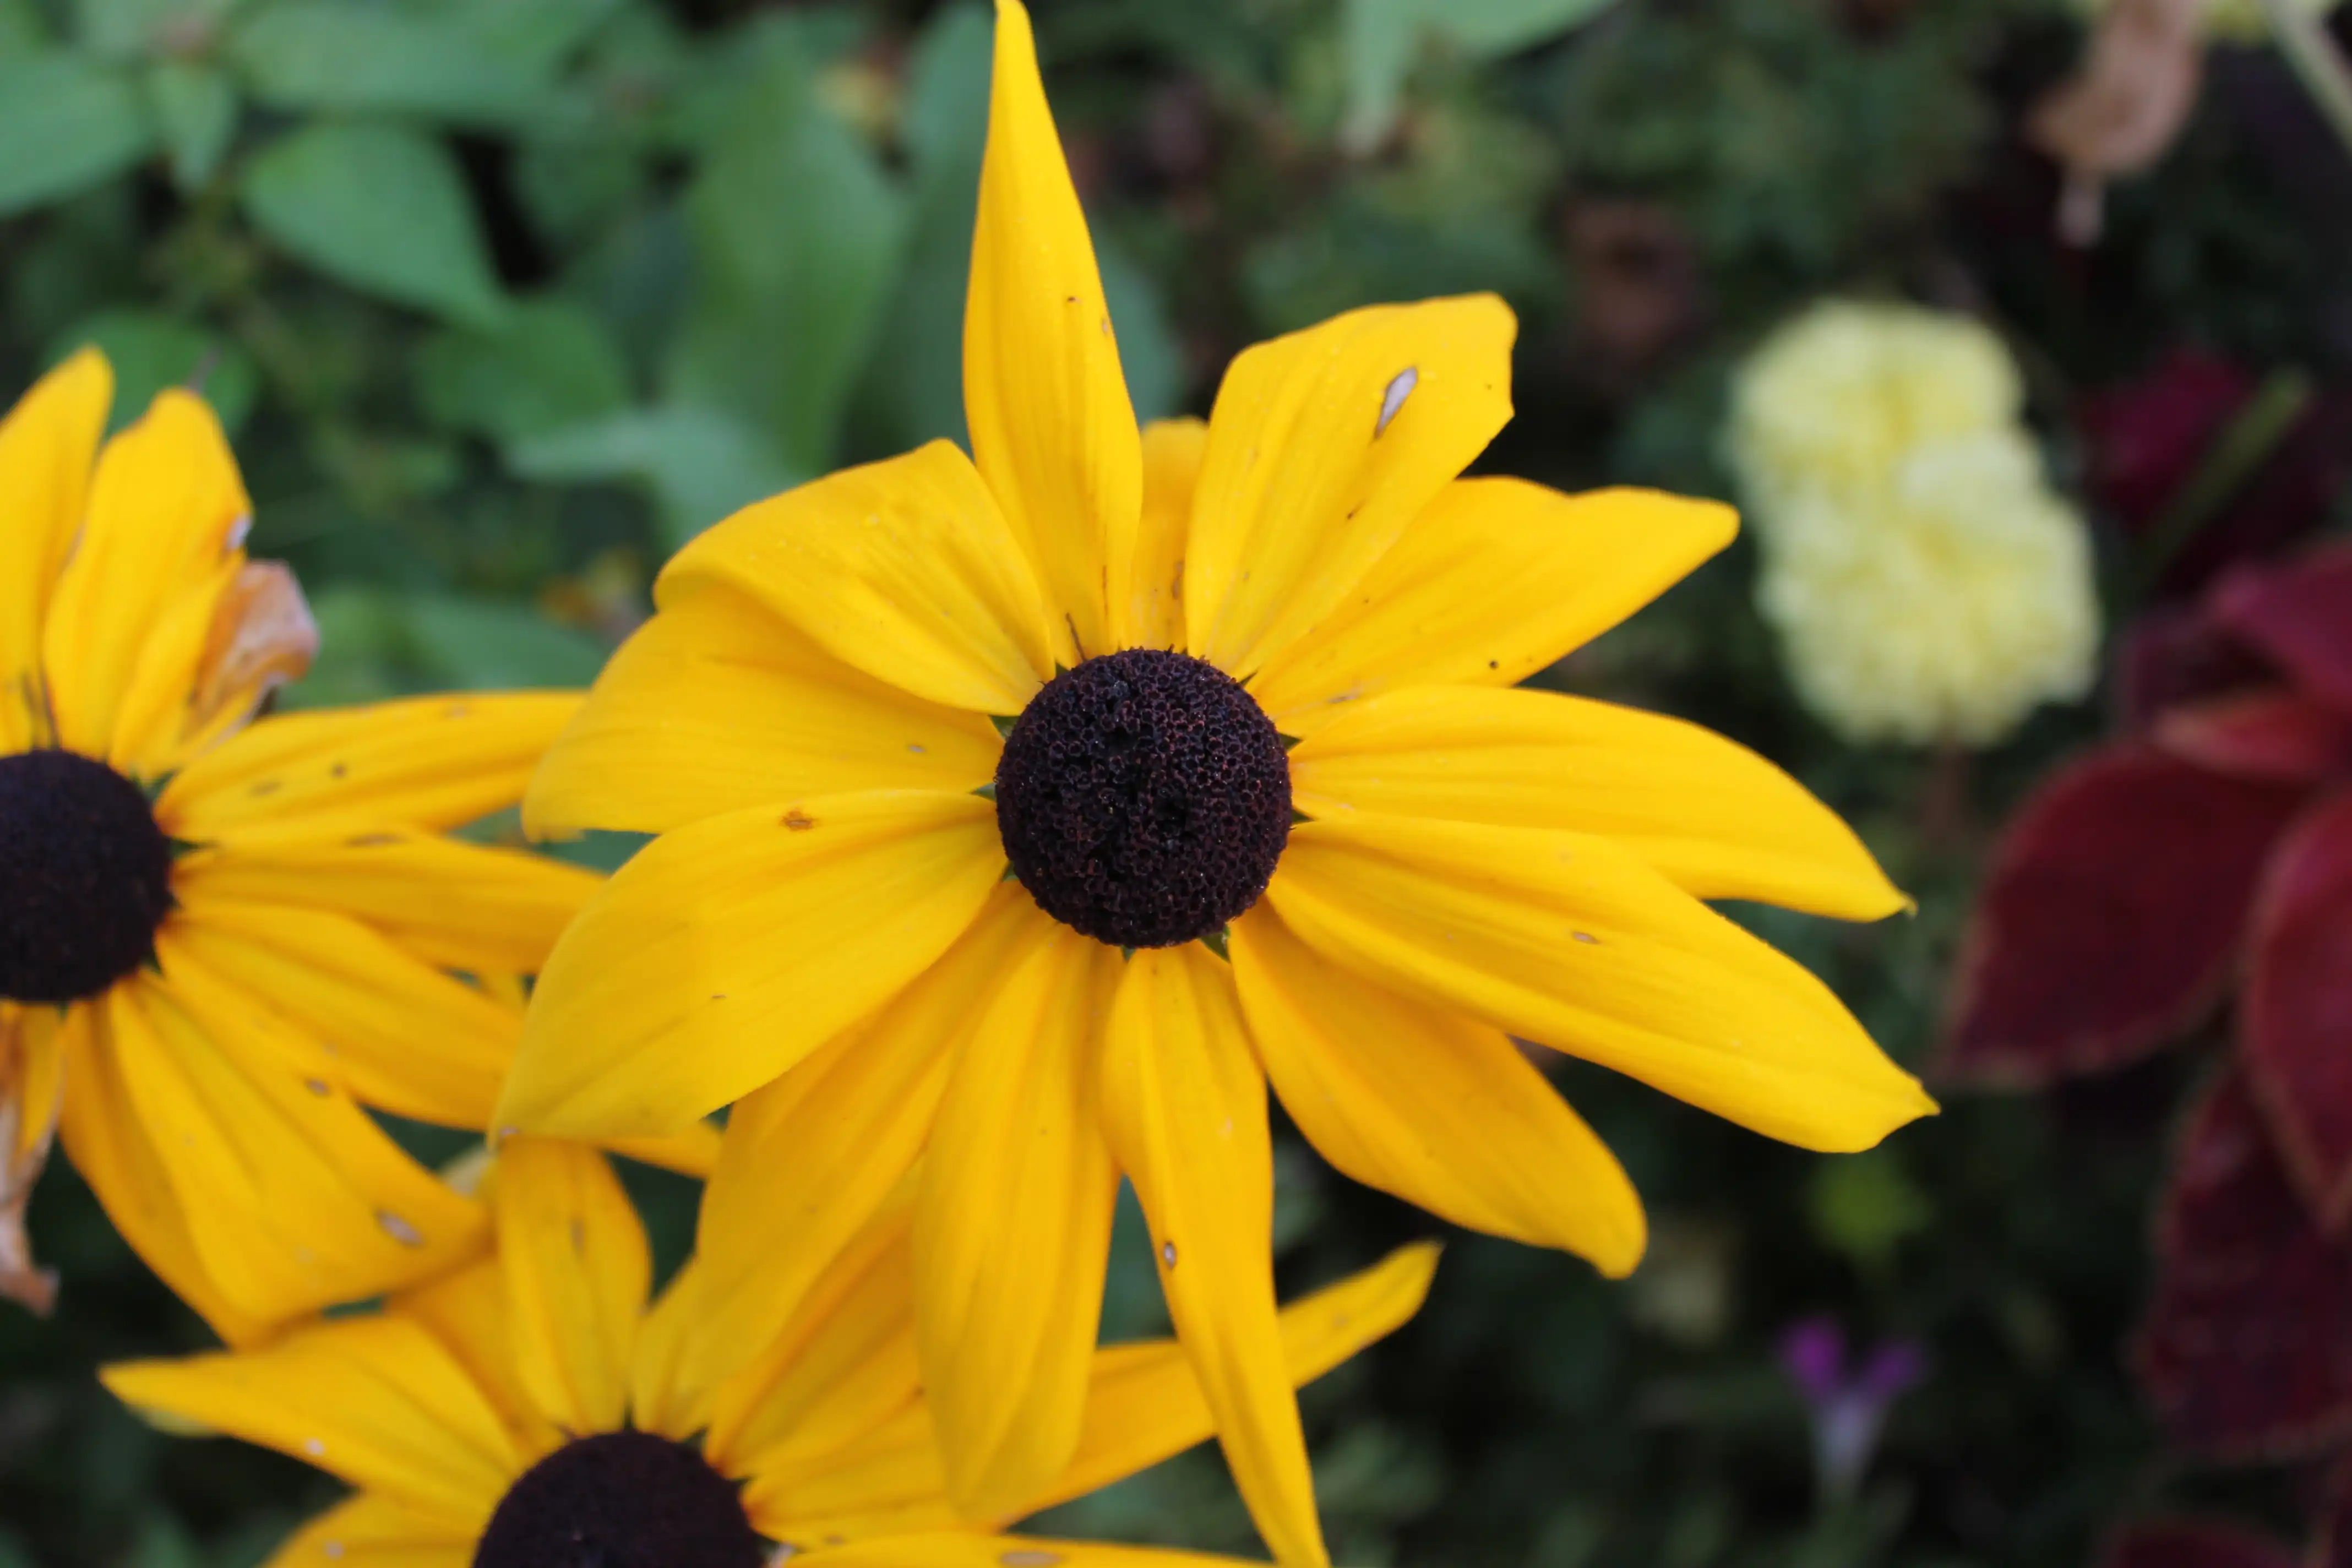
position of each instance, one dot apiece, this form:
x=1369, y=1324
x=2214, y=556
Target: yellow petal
x=843, y=1364
x=103, y=1135
x=1569, y=940
x=727, y=952
x=1053, y=431
x=466, y=1311
x=1143, y=1405
x=47, y=444
x=462, y=906
x=32, y=1084
x=371, y=1531
x=428, y=762
x=1496, y=580
x=1717, y=820
x=968, y=1549
x=165, y=510
x=1323, y=446
x=715, y=704
x=1012, y=1230
x=693, y=1150
x=904, y=569
x=577, y=1269
x=262, y=636
x=1184, y=1108
x=662, y=1395
x=407, y=1037
x=295, y=1198
x=374, y=1400
x=157, y=705
x=812, y=1154
x=1173, y=449
x=1430, y=1105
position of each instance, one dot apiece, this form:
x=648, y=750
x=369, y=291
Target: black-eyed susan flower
x=1084, y=654
x=220, y=939
x=529, y=1412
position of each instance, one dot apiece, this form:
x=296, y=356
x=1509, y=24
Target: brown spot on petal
x=262, y=636
x=799, y=821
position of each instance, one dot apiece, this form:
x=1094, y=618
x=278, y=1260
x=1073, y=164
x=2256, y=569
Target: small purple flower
x=1848, y=1403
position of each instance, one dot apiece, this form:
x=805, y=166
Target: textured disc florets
x=1144, y=798
x=85, y=877
x=620, y=1499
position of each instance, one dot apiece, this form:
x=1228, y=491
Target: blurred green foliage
x=505, y=299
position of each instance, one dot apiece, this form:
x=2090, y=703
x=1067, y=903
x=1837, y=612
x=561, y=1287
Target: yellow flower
x=218, y=940
x=825, y=931
x=1925, y=580
x=530, y=1410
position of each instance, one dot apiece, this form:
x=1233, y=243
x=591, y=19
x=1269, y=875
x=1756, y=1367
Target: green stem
x=2311, y=52
x=2243, y=446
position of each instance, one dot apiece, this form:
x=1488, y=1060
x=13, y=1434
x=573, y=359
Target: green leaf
x=196, y=109
x=798, y=237
x=23, y=30
x=375, y=643
x=350, y=57
x=381, y=208
x=1379, y=39
x=141, y=29
x=550, y=363
x=66, y=124
x=700, y=463
x=150, y=351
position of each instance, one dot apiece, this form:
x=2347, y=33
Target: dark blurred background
x=502, y=299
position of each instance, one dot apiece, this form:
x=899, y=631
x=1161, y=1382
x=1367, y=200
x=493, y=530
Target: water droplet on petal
x=1168, y=1253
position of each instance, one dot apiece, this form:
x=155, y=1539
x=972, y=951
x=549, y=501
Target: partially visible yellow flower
x=530, y=1409
x=1926, y=583
x=219, y=940
x=2234, y=21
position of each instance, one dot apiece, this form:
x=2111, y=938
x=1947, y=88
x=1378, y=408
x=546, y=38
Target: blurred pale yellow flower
x=1926, y=581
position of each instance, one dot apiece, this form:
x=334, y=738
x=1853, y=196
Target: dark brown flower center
x=620, y=1499
x=1144, y=798
x=85, y=877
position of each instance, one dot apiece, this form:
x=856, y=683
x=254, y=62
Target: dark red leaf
x=2300, y=616
x=2245, y=1352
x=2111, y=919
x=2174, y=655
x=2182, y=1542
x=2294, y=1030
x=2278, y=734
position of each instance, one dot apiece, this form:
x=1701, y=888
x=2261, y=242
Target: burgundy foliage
x=2203, y=858
x=2194, y=1543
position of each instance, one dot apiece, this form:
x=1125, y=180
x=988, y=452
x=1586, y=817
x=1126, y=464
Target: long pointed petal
x=904, y=569
x=1568, y=939
x=1717, y=820
x=49, y=442
x=1495, y=580
x=374, y=1400
x=1012, y=1229
x=1052, y=429
x=1434, y=1106
x=1323, y=447
x=576, y=1267
x=1184, y=1107
x=371, y=1531
x=727, y=952
x=717, y=703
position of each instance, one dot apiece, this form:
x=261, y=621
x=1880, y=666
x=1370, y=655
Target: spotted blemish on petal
x=799, y=821
x=1394, y=398
x=317, y=1086
x=1168, y=1253
x=1587, y=937
x=1030, y=1558
x=399, y=1229
x=314, y=1448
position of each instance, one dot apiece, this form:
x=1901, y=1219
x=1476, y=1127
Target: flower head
x=219, y=940
x=1926, y=581
x=1231, y=703
x=1848, y=1401
x=531, y=1411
